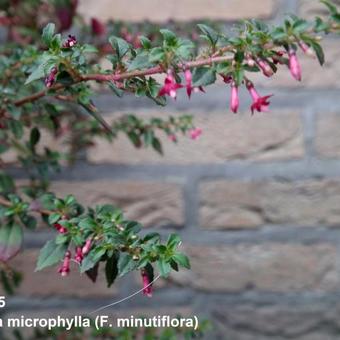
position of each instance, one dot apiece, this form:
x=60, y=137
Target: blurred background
x=256, y=199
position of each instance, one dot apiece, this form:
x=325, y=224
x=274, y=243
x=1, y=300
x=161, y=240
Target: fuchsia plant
x=41, y=80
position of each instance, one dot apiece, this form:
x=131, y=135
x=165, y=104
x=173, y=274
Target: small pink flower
x=87, y=246
x=79, y=255
x=70, y=41
x=51, y=77
x=234, y=101
x=173, y=138
x=170, y=86
x=98, y=28
x=195, y=133
x=66, y=13
x=306, y=49
x=294, y=65
x=188, y=85
x=147, y=287
x=261, y=104
x=65, y=268
x=277, y=58
x=265, y=67
x=60, y=228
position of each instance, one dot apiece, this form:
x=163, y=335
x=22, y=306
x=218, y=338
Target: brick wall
x=256, y=199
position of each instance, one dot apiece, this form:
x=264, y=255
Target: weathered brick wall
x=256, y=199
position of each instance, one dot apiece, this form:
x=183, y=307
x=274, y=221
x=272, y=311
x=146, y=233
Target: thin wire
x=126, y=298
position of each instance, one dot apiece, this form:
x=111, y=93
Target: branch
x=122, y=76
x=4, y=202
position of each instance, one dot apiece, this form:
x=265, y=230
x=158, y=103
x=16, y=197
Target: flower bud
x=294, y=65
x=234, y=101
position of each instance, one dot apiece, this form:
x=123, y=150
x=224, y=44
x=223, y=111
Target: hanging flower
x=277, y=57
x=70, y=41
x=188, y=85
x=306, y=49
x=147, y=286
x=79, y=255
x=265, y=67
x=195, y=133
x=50, y=79
x=170, y=86
x=87, y=246
x=60, y=228
x=261, y=104
x=64, y=270
x=234, y=101
x=98, y=28
x=294, y=65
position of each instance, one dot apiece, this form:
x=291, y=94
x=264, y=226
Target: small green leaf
x=169, y=37
x=146, y=43
x=50, y=254
x=11, y=237
x=34, y=136
x=212, y=35
x=126, y=264
x=120, y=46
x=203, y=76
x=47, y=33
x=181, y=259
x=118, y=92
x=141, y=61
x=163, y=267
x=53, y=218
x=111, y=269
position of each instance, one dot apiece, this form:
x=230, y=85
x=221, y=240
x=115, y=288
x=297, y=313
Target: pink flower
x=195, y=133
x=294, y=65
x=60, y=228
x=234, y=101
x=65, y=268
x=170, y=86
x=188, y=85
x=173, y=138
x=51, y=77
x=98, y=28
x=147, y=287
x=87, y=246
x=265, y=67
x=70, y=41
x=79, y=255
x=306, y=49
x=66, y=13
x=261, y=104
x=277, y=58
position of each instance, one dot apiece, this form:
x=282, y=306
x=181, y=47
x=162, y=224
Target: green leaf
x=173, y=241
x=118, y=92
x=156, y=55
x=50, y=254
x=332, y=8
x=163, y=267
x=203, y=76
x=212, y=35
x=146, y=43
x=91, y=259
x=111, y=269
x=182, y=260
x=53, y=218
x=47, y=33
x=157, y=146
x=120, y=46
x=319, y=52
x=126, y=264
x=34, y=137
x=11, y=237
x=169, y=37
x=140, y=62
